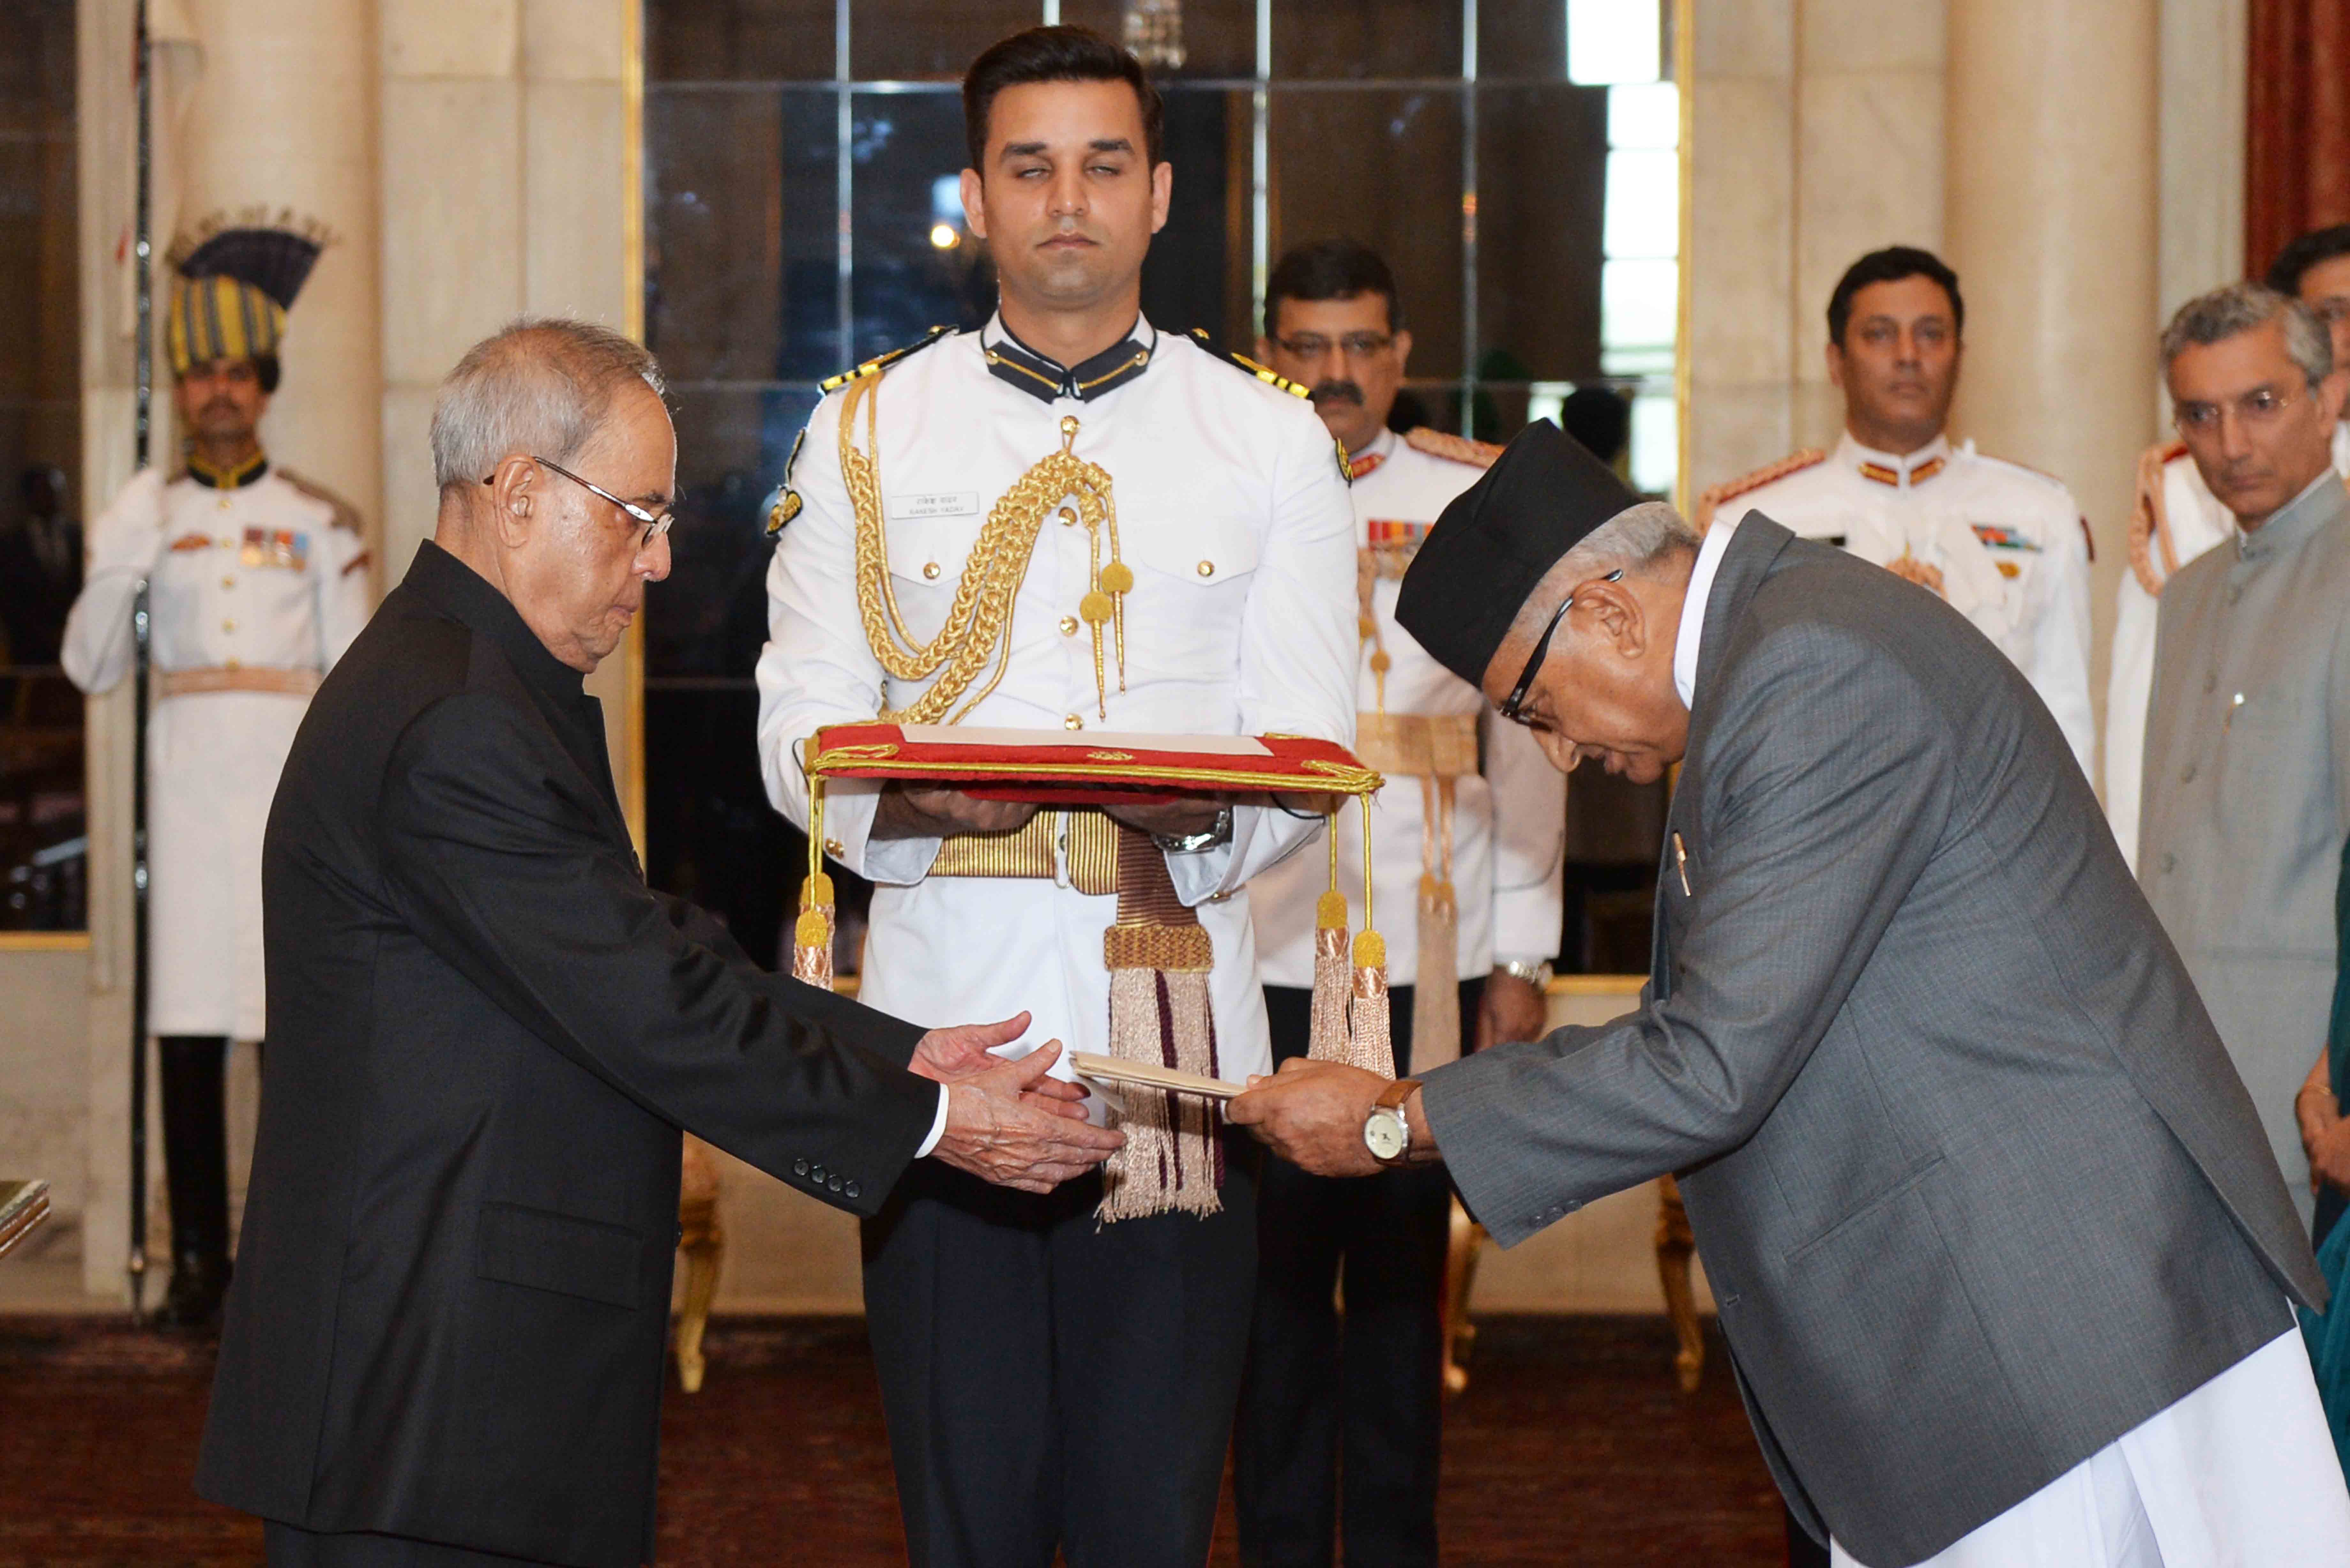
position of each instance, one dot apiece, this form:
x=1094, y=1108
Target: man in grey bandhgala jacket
x=1998, y=1249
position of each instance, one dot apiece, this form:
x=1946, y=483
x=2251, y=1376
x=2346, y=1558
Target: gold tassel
x=1371, y=1026
x=812, y=935
x=1436, y=992
x=1160, y=957
x=1326, y=1033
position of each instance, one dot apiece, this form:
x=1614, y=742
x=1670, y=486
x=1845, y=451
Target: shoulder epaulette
x=1769, y=473
x=2023, y=468
x=346, y=514
x=880, y=362
x=1451, y=448
x=1269, y=377
x=2171, y=451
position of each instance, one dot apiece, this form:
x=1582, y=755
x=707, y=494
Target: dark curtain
x=2297, y=135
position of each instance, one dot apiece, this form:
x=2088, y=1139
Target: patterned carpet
x=1572, y=1446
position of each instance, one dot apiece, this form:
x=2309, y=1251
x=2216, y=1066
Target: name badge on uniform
x=943, y=504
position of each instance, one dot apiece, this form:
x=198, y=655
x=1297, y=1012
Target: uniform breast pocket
x=1193, y=578
x=927, y=555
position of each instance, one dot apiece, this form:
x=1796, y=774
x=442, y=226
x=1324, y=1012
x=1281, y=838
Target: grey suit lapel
x=1752, y=551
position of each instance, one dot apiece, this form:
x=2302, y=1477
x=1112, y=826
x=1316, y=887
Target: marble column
x=283, y=118
x=2051, y=221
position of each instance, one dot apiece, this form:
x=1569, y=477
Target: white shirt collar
x=1692, y=627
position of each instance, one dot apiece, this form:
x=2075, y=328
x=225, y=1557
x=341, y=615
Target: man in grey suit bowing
x=2001, y=1256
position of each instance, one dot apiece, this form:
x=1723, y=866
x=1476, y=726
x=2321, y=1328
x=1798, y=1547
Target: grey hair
x=2241, y=308
x=1635, y=538
x=539, y=386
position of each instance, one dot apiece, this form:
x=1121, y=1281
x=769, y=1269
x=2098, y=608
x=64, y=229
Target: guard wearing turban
x=257, y=581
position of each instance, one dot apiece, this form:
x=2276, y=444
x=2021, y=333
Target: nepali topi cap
x=1494, y=543
x=237, y=281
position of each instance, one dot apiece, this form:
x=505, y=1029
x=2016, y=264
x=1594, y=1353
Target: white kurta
x=255, y=578
x=2196, y=523
x=1232, y=514
x=1508, y=825
x=2009, y=543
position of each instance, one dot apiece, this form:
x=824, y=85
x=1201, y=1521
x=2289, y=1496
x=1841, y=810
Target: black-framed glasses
x=655, y=526
x=1510, y=709
x=1353, y=345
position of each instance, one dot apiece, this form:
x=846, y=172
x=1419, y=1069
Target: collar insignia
x=1047, y=380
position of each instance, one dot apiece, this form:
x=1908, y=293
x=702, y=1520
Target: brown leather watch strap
x=1393, y=1096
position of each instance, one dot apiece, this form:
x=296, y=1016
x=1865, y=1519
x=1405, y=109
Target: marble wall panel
x=1870, y=162
x=573, y=40
x=451, y=37
x=453, y=261
x=574, y=258
x=1869, y=35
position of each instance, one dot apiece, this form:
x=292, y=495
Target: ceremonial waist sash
x=1088, y=845
x=239, y=678
x=1418, y=745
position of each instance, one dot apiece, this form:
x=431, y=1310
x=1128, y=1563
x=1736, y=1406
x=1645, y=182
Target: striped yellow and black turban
x=235, y=285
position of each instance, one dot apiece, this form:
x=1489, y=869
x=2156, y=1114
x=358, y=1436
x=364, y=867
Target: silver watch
x=1387, y=1131
x=1216, y=832
x=1534, y=975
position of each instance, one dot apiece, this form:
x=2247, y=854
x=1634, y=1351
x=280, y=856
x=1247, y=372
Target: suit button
x=2235, y=592
x=1068, y=626
x=2187, y=774
x=817, y=1175
x=799, y=1168
x=2170, y=863
x=228, y=582
x=2211, y=680
x=854, y=1191
x=832, y=848
x=1073, y=723
x=228, y=626
x=1207, y=568
x=833, y=1184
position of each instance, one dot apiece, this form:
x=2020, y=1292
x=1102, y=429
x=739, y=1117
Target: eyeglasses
x=655, y=526
x=2260, y=408
x=1510, y=707
x=1353, y=345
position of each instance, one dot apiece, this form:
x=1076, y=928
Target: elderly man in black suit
x=443, y=1342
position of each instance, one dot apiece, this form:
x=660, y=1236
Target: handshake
x=1009, y=1122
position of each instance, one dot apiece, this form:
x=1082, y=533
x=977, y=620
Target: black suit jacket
x=454, y=1280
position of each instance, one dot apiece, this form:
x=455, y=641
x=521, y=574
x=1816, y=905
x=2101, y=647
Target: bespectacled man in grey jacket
x=2003, y=1258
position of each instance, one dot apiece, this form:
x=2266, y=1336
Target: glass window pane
x=1644, y=205
x=1656, y=441
x=1646, y=115
x=741, y=248
x=1521, y=40
x=903, y=147
x=706, y=617
x=911, y=40
x=1541, y=169
x=1198, y=270
x=1638, y=311
x=1382, y=167
x=737, y=40
x=1366, y=37
x=1215, y=37
x=1614, y=41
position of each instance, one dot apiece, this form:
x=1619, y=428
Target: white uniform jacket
x=264, y=577
x=1232, y=514
x=2010, y=544
x=1508, y=825
x=2192, y=521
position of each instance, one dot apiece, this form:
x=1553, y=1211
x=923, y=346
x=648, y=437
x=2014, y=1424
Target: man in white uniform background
x=1371, y=1384
x=1051, y=1380
x=257, y=583
x=2004, y=545
x=2176, y=518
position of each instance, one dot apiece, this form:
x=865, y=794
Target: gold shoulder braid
x=978, y=623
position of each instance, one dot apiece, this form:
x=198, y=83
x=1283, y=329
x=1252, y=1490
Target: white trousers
x=2242, y=1473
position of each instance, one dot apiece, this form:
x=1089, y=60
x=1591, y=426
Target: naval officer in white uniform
x=1354, y=1404
x=2176, y=518
x=1050, y=1380
x=257, y=583
x=2004, y=545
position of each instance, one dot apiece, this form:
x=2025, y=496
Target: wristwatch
x=1386, y=1132
x=1216, y=832
x=1534, y=975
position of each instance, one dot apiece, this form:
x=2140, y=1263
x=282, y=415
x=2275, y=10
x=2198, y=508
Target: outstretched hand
x=1004, y=1124
x=1312, y=1115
